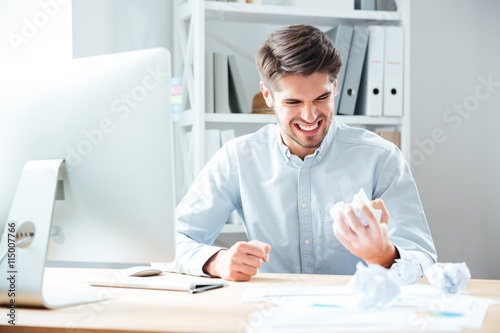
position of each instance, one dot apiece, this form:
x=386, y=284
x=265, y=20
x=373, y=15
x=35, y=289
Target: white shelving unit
x=190, y=31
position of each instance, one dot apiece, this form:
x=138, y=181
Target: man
x=284, y=179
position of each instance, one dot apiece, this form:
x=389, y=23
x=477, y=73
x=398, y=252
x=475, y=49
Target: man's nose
x=309, y=113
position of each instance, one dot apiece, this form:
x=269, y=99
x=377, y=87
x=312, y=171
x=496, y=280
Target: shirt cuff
x=423, y=259
x=193, y=266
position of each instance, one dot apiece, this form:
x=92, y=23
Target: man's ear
x=267, y=95
x=335, y=87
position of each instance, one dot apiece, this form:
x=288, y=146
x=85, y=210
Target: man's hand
x=370, y=243
x=239, y=262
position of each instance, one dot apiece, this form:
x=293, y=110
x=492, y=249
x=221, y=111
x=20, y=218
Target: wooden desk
x=219, y=310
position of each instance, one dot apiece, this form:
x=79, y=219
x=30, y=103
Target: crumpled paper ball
x=358, y=198
x=449, y=277
x=377, y=285
x=406, y=270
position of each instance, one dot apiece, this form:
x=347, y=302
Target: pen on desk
x=205, y=288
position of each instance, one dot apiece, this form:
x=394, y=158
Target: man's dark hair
x=297, y=50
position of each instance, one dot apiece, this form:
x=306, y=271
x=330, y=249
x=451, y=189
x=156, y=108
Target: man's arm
x=199, y=219
x=202, y=213
x=405, y=233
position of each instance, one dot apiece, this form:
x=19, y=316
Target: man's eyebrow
x=291, y=100
x=328, y=93
x=325, y=94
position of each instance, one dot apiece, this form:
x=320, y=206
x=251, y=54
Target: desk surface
x=219, y=310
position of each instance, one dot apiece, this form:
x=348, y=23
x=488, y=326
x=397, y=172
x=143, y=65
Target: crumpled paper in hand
x=449, y=277
x=377, y=285
x=406, y=270
x=358, y=198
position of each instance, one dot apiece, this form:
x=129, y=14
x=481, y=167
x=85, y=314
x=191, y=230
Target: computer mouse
x=142, y=271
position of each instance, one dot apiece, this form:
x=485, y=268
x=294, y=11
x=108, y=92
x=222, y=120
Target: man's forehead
x=291, y=85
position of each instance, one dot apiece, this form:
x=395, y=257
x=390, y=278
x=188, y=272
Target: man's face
x=304, y=107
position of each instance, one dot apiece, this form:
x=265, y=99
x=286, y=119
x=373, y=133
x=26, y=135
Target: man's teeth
x=309, y=128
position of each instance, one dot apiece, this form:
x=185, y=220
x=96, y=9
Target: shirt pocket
x=329, y=236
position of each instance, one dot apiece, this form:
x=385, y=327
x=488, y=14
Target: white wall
x=110, y=26
x=53, y=30
x=35, y=31
x=455, y=48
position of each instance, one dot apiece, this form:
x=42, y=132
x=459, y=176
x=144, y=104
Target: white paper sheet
x=281, y=295
x=333, y=308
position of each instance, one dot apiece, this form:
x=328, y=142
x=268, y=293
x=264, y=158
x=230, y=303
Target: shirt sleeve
x=408, y=228
x=202, y=213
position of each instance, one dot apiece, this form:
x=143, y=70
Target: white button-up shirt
x=285, y=201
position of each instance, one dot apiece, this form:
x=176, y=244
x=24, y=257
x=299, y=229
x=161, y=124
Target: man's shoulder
x=348, y=135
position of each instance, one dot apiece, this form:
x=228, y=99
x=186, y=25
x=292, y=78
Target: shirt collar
x=327, y=141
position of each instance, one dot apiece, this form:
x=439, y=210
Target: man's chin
x=309, y=144
x=310, y=141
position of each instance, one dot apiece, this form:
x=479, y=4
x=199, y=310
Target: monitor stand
x=22, y=269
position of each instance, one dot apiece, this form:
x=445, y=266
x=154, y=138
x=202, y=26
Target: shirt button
x=304, y=170
x=319, y=157
x=304, y=205
x=307, y=242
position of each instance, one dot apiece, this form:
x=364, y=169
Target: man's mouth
x=309, y=128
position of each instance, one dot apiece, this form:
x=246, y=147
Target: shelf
x=233, y=229
x=272, y=14
x=242, y=118
x=367, y=120
x=236, y=118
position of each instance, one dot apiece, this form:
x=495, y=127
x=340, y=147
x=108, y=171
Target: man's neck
x=296, y=149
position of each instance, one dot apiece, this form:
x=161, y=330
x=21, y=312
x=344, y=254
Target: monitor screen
x=109, y=118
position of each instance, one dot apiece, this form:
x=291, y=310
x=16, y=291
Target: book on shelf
x=329, y=4
x=221, y=83
x=238, y=101
x=370, y=98
x=386, y=5
x=383, y=5
x=353, y=70
x=393, y=72
x=209, y=82
x=224, y=88
x=341, y=36
x=370, y=81
x=365, y=4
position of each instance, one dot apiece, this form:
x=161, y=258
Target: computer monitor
x=98, y=130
